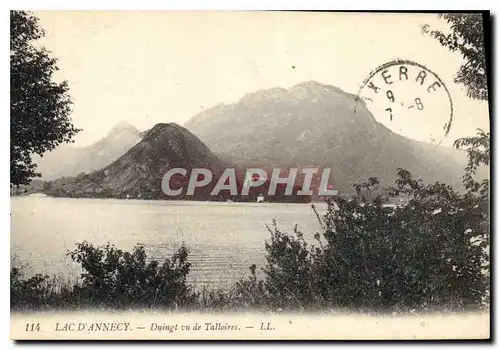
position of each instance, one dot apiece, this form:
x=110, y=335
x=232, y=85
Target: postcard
x=249, y=175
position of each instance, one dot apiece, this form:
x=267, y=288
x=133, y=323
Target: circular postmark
x=409, y=99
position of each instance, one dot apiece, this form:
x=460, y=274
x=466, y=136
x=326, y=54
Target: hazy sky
x=150, y=67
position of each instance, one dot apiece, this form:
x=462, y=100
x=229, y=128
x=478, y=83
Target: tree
x=466, y=37
x=478, y=153
x=39, y=107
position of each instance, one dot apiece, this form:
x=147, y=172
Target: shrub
x=428, y=254
x=26, y=293
x=290, y=270
x=250, y=292
x=247, y=293
x=116, y=278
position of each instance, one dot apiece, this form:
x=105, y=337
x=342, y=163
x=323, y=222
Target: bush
x=116, y=278
x=290, y=270
x=250, y=292
x=25, y=293
x=428, y=254
x=247, y=293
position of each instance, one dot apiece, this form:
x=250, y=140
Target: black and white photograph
x=260, y=175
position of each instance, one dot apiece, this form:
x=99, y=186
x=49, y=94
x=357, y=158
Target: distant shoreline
x=43, y=195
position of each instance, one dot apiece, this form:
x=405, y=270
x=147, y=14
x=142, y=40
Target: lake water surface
x=224, y=238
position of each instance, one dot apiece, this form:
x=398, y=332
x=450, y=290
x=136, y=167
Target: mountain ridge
x=322, y=124
x=67, y=160
x=138, y=173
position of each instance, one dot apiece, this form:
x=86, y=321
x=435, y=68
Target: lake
x=224, y=239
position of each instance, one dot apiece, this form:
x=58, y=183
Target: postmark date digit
x=390, y=112
x=390, y=95
x=419, y=104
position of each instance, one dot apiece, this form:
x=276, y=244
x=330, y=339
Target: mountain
x=67, y=160
x=317, y=124
x=138, y=172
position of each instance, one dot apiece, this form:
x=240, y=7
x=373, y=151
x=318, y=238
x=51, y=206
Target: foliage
x=466, y=37
x=478, y=154
x=39, y=107
x=247, y=293
x=27, y=292
x=250, y=292
x=111, y=278
x=114, y=277
x=290, y=269
x=426, y=255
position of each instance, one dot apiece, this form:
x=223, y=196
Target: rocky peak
x=122, y=127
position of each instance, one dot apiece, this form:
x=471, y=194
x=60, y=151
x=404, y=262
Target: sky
x=150, y=67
